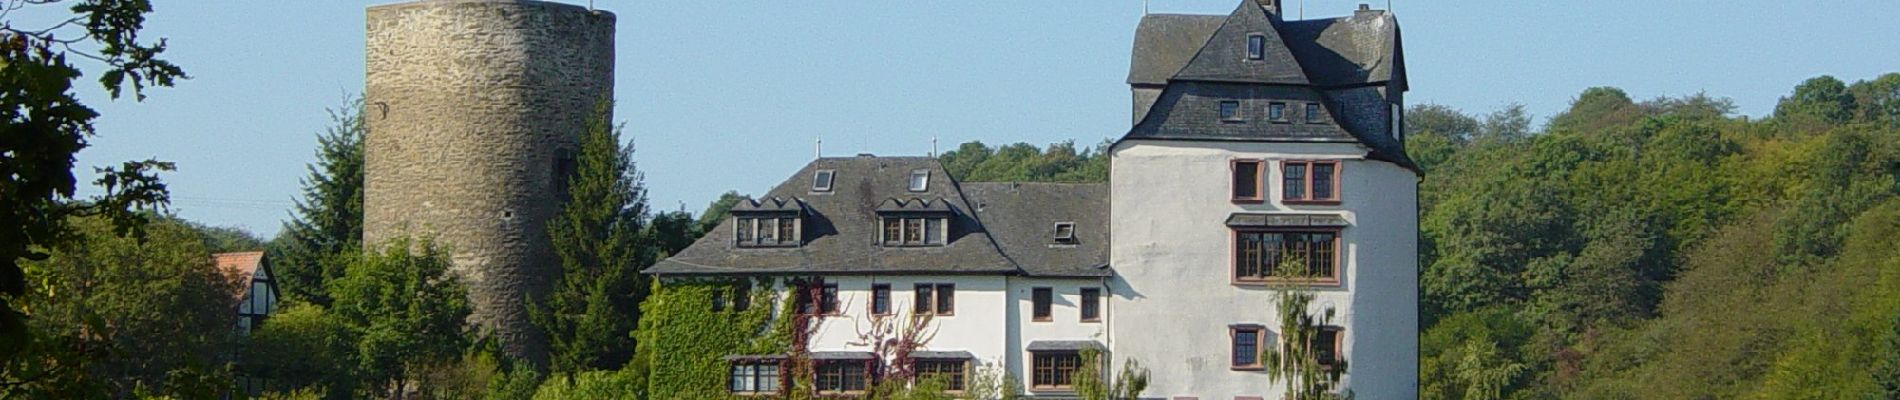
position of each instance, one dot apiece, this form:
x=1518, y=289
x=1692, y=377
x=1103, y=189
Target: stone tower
x=475, y=108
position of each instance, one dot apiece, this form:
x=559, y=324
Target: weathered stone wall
x=473, y=106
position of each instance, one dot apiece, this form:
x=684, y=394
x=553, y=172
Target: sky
x=732, y=95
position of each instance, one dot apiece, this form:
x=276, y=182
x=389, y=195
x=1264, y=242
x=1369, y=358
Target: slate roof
x=841, y=227
x=1346, y=51
x=1322, y=60
x=1021, y=218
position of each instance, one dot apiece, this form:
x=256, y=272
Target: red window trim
x=1233, y=256
x=1032, y=304
x=1308, y=182
x=1084, y=299
x=1259, y=180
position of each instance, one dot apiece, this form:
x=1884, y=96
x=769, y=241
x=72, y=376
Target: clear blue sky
x=729, y=95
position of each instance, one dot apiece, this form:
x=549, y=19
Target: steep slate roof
x=841, y=227
x=241, y=267
x=1311, y=60
x=1346, y=51
x=1021, y=217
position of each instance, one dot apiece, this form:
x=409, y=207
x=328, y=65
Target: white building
x=1254, y=137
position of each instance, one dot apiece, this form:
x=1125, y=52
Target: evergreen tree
x=594, y=304
x=328, y=221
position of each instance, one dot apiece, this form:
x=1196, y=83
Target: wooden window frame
x=1306, y=196
x=935, y=304
x=820, y=303
x=1233, y=255
x=963, y=375
x=1042, y=307
x=752, y=228
x=1259, y=334
x=781, y=381
x=1055, y=370
x=1259, y=181
x=902, y=230
x=880, y=291
x=818, y=369
x=1096, y=300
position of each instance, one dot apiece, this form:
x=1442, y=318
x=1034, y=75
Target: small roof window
x=1230, y=111
x=1256, y=46
x=1065, y=232
x=919, y=180
x=821, y=180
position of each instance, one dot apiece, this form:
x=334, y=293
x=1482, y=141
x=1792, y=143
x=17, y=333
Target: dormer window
x=1065, y=232
x=766, y=231
x=1230, y=111
x=821, y=180
x=913, y=230
x=1276, y=111
x=1313, y=114
x=1256, y=46
x=919, y=180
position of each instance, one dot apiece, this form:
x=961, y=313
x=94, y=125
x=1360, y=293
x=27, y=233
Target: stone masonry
x=474, y=110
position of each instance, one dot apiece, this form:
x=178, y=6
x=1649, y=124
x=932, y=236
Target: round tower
x=474, y=110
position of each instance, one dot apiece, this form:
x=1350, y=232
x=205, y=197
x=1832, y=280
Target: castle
x=1254, y=138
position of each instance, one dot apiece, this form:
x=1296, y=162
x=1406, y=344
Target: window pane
x=1041, y=297
x=742, y=296
x=787, y=232
x=922, y=304
x=933, y=231
x=893, y=230
x=1276, y=111
x=1247, y=180
x=1293, y=181
x=1325, y=255
x=1256, y=47
x=1324, y=346
x=1312, y=113
x=913, y=230
x=1246, y=347
x=919, y=181
x=946, y=299
x=768, y=230
x=1230, y=111
x=768, y=378
x=1323, y=182
x=821, y=181
x=743, y=230
x=881, y=299
x=742, y=378
x=830, y=304
x=1091, y=303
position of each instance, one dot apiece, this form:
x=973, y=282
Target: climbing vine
x=684, y=338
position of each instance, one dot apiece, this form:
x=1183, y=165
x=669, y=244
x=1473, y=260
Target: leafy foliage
x=45, y=126
x=304, y=348
x=680, y=330
x=1662, y=249
x=327, y=225
x=599, y=239
x=1022, y=162
x=113, y=315
x=406, y=311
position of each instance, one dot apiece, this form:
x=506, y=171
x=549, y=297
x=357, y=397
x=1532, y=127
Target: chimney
x=1272, y=6
x=1366, y=10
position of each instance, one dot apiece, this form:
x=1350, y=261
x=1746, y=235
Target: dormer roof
x=912, y=204
x=774, y=205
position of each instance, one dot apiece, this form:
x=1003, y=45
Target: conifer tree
x=328, y=220
x=595, y=298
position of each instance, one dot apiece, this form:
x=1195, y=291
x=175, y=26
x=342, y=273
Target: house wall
x=1064, y=318
x=977, y=326
x=1174, y=300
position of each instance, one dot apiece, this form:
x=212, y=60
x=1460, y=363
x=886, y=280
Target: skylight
x=919, y=180
x=821, y=180
x=1065, y=232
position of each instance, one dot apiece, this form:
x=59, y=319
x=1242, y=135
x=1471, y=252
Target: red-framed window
x=1309, y=181
x=1249, y=180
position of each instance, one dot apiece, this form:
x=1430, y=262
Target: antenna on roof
x=933, y=147
x=1302, y=9
x=818, y=147
x=1144, y=7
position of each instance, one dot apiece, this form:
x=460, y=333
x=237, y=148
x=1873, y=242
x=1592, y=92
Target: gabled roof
x=241, y=266
x=995, y=228
x=841, y=229
x=1355, y=50
x=1224, y=56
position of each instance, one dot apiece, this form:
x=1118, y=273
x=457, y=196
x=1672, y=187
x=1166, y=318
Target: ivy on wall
x=683, y=340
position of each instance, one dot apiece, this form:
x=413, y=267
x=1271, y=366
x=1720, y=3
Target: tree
x=327, y=223
x=1595, y=109
x=405, y=310
x=304, y=347
x=671, y=231
x=1091, y=383
x=1822, y=98
x=1296, y=363
x=598, y=236
x=113, y=315
x=718, y=211
x=45, y=126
